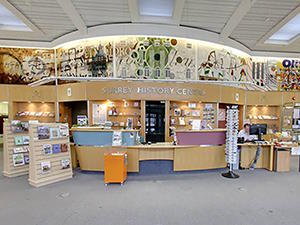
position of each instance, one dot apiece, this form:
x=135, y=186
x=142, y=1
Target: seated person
x=245, y=133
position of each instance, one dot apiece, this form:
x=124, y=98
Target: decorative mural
x=147, y=58
x=155, y=58
x=23, y=66
x=223, y=65
x=86, y=59
x=286, y=72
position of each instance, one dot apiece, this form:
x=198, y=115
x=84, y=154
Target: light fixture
x=162, y=8
x=286, y=33
x=8, y=21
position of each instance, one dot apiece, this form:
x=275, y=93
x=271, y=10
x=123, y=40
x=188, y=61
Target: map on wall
x=23, y=66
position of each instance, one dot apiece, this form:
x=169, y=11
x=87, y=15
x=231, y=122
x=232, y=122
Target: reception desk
x=92, y=143
x=247, y=155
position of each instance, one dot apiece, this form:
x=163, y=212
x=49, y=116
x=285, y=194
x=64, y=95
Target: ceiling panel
x=208, y=14
x=95, y=12
x=47, y=15
x=261, y=18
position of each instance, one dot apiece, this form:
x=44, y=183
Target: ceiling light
x=287, y=32
x=163, y=8
x=8, y=21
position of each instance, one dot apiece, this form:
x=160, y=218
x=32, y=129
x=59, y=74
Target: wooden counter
x=247, y=155
x=184, y=157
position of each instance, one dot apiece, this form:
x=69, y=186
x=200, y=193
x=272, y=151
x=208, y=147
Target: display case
x=270, y=115
x=183, y=114
x=41, y=111
x=121, y=113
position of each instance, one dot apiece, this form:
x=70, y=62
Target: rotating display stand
x=231, y=140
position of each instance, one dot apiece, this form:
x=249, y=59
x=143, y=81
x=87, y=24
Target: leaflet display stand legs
x=231, y=140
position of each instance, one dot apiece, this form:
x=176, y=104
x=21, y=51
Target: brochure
x=56, y=148
x=45, y=166
x=64, y=147
x=65, y=163
x=54, y=132
x=43, y=132
x=18, y=159
x=47, y=148
x=18, y=140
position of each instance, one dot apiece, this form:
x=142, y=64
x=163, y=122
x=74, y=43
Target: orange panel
x=115, y=168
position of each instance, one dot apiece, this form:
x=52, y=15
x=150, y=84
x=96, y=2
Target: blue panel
x=129, y=138
x=156, y=167
x=103, y=138
x=87, y=138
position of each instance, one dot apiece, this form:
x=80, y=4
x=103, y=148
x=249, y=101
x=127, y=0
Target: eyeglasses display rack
x=231, y=140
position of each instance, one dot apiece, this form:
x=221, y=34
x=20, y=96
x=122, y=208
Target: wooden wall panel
x=264, y=98
x=77, y=90
x=128, y=90
x=232, y=95
x=4, y=92
x=287, y=97
x=19, y=93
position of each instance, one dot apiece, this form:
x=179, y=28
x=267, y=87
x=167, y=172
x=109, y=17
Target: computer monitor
x=258, y=129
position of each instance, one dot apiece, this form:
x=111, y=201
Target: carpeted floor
x=257, y=197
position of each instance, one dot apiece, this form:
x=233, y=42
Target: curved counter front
x=91, y=144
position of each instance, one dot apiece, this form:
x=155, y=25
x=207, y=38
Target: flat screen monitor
x=258, y=129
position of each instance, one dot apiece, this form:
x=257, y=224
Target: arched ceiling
x=248, y=23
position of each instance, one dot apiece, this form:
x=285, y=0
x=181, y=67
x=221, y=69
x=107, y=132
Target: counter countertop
x=98, y=129
x=163, y=146
x=202, y=131
x=254, y=144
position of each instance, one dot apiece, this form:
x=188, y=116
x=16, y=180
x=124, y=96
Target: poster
x=99, y=113
x=117, y=138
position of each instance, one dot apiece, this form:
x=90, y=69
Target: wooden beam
x=22, y=17
x=72, y=13
x=237, y=16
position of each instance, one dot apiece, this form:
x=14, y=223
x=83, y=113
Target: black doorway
x=155, y=121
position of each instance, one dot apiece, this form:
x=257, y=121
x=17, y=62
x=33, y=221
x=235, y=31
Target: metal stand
x=231, y=150
x=230, y=174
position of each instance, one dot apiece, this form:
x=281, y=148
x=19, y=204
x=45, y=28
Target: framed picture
x=43, y=132
x=56, y=148
x=64, y=147
x=54, y=132
x=45, y=166
x=47, y=149
x=65, y=164
x=18, y=140
x=18, y=159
